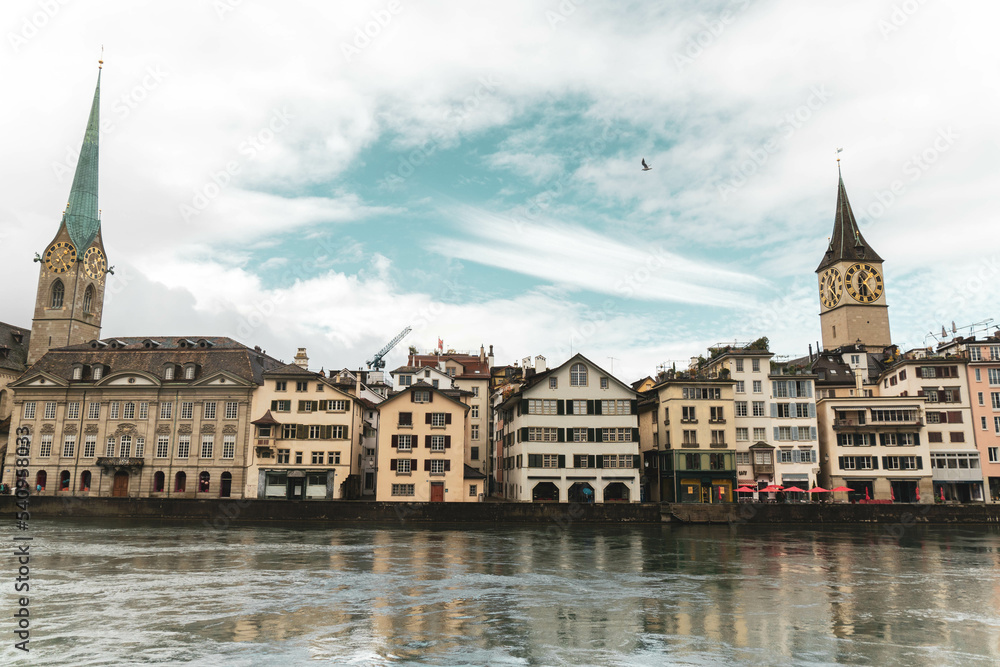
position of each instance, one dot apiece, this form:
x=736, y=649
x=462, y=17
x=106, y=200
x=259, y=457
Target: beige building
x=134, y=417
x=308, y=438
x=423, y=435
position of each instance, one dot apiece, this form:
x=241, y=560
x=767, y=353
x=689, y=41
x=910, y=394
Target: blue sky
x=322, y=175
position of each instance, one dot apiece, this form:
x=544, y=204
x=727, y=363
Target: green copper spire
x=82, y=217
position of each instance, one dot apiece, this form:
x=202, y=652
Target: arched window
x=578, y=376
x=58, y=291
x=85, y=480
x=64, y=480
x=158, y=481
x=88, y=299
x=40, y=480
x=180, y=480
x=203, y=481
x=225, y=484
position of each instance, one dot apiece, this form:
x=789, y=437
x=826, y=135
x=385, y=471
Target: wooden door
x=437, y=492
x=120, y=489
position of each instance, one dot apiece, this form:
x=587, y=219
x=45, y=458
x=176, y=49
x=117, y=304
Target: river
x=129, y=592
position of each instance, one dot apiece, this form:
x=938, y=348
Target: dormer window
x=168, y=372
x=77, y=372
x=189, y=372
x=98, y=372
x=203, y=342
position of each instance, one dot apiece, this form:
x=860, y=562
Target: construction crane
x=377, y=363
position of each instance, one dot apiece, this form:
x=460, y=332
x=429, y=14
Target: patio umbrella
x=918, y=494
x=819, y=489
x=942, y=493
x=794, y=489
x=745, y=489
x=892, y=495
x=842, y=489
x=867, y=497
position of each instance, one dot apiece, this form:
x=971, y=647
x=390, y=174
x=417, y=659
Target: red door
x=437, y=492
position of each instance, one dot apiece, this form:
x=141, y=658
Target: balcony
x=718, y=445
x=717, y=421
x=116, y=463
x=689, y=445
x=689, y=421
x=666, y=422
x=763, y=469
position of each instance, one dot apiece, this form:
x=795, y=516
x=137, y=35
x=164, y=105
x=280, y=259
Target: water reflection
x=593, y=595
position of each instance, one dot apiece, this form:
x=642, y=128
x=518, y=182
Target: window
x=315, y=432
x=983, y=422
x=690, y=437
x=755, y=363
x=718, y=437
x=579, y=435
x=98, y=372
x=473, y=490
x=404, y=465
x=93, y=410
x=288, y=431
x=128, y=411
x=742, y=458
x=73, y=410
x=437, y=443
x=537, y=434
x=438, y=419
x=975, y=353
x=956, y=436
x=168, y=372
x=301, y=386
x=317, y=458
x=742, y=433
x=758, y=408
x=166, y=409
x=474, y=432
x=784, y=433
x=78, y=372
x=186, y=410
x=203, y=482
x=617, y=435
x=437, y=466
x=180, y=482
x=759, y=434
x=421, y=396
x=739, y=365
x=50, y=410
x=281, y=406
x=29, y=410
x=298, y=458
x=89, y=446
x=207, y=442
x=716, y=414
x=228, y=446
x=579, y=407
x=404, y=442
x=69, y=445
x=553, y=384
x=994, y=352
x=688, y=414
x=58, y=291
x=232, y=409
x=402, y=489
x=334, y=406
x=995, y=399
x=113, y=410
x=782, y=410
x=280, y=385
x=616, y=407
x=284, y=455
x=162, y=446
x=406, y=419
x=405, y=380
x=994, y=375
x=45, y=447
x=474, y=414
x=994, y=454
x=183, y=446
x=578, y=375
x=208, y=412
x=785, y=456
x=333, y=458
x=758, y=387
x=474, y=453
x=542, y=407
x=740, y=387
x=604, y=383
x=140, y=447
x=109, y=447
x=143, y=410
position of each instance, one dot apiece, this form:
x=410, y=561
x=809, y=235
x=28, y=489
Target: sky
x=322, y=175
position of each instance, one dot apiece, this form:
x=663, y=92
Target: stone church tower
x=71, y=280
x=851, y=286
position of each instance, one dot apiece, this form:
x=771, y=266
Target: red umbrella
x=942, y=493
x=770, y=489
x=745, y=489
x=918, y=494
x=819, y=489
x=842, y=489
x=867, y=497
x=794, y=489
x=892, y=495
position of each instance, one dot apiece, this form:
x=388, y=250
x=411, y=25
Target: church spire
x=846, y=243
x=82, y=217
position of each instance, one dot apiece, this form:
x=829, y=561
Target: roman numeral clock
x=864, y=283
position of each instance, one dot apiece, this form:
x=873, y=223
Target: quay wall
x=224, y=511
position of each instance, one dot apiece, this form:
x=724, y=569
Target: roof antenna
x=100, y=63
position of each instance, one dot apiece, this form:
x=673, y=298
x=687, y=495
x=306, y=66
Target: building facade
x=570, y=434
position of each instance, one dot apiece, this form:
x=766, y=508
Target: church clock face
x=95, y=263
x=831, y=287
x=864, y=283
x=60, y=257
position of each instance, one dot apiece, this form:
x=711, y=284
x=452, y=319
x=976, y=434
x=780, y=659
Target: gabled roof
x=535, y=379
x=292, y=369
x=846, y=242
x=472, y=473
x=424, y=385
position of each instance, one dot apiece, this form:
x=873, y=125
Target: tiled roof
x=13, y=352
x=149, y=354
x=472, y=473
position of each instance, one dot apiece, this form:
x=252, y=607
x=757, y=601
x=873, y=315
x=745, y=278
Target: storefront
x=700, y=477
x=296, y=484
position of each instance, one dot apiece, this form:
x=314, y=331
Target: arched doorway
x=64, y=478
x=545, y=491
x=40, y=480
x=204, y=482
x=85, y=480
x=225, y=484
x=581, y=492
x=120, y=488
x=159, y=481
x=616, y=492
x=180, y=482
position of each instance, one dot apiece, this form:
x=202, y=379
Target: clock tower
x=851, y=285
x=71, y=279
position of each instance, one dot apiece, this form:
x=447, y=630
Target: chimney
x=357, y=385
x=810, y=352
x=489, y=357
x=540, y=364
x=302, y=359
x=482, y=353
x=526, y=363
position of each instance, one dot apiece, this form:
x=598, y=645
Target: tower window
x=58, y=291
x=88, y=299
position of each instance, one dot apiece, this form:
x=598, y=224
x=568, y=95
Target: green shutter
x=274, y=405
x=301, y=431
x=562, y=460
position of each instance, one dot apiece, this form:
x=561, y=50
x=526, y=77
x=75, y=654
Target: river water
x=115, y=592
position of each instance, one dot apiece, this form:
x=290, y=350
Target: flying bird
x=645, y=167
